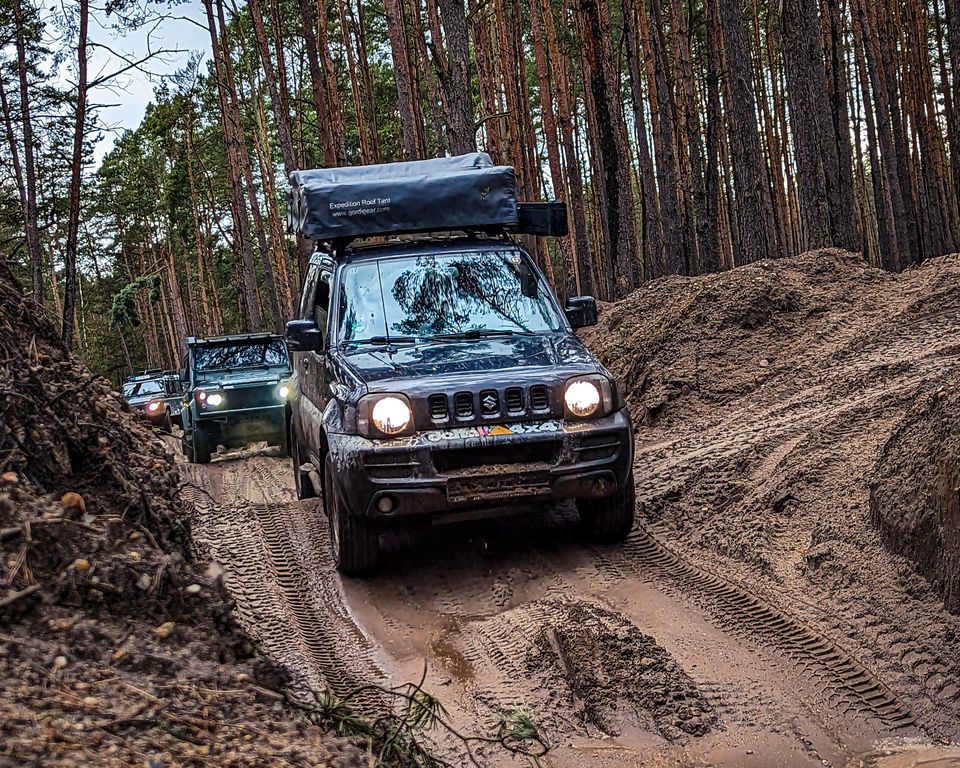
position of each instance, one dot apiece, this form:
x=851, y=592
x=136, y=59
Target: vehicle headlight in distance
x=391, y=415
x=215, y=399
x=153, y=407
x=582, y=397
x=282, y=391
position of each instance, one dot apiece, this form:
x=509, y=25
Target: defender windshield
x=272, y=354
x=448, y=295
x=143, y=388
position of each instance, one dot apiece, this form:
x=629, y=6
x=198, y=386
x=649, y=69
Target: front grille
x=463, y=405
x=246, y=397
x=540, y=452
x=513, y=397
x=438, y=407
x=539, y=398
x=489, y=402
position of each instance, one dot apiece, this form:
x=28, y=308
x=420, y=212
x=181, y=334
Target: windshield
x=422, y=297
x=143, y=388
x=228, y=357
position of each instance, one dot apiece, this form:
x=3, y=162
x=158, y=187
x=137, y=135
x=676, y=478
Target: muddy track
x=498, y=610
x=738, y=609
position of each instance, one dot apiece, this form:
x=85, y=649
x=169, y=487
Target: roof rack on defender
x=234, y=339
x=447, y=194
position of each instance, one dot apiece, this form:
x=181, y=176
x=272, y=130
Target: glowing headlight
x=283, y=391
x=391, y=415
x=582, y=398
x=215, y=399
x=153, y=407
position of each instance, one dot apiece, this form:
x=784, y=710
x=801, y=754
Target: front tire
x=301, y=479
x=610, y=519
x=200, y=445
x=355, y=541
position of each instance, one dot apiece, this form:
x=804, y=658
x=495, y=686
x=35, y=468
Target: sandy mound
x=114, y=646
x=915, y=497
x=766, y=398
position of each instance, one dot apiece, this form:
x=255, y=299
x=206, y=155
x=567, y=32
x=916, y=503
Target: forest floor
x=754, y=617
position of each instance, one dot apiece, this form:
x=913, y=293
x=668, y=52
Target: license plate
x=500, y=486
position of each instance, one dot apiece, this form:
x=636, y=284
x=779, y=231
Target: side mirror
x=581, y=311
x=304, y=336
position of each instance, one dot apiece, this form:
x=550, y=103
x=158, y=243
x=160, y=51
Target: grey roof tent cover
x=443, y=194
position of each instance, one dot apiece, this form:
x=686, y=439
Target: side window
x=306, y=296
x=321, y=307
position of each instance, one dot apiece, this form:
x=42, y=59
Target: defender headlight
x=589, y=396
x=387, y=415
x=215, y=399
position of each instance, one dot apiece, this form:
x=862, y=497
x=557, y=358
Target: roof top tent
x=463, y=193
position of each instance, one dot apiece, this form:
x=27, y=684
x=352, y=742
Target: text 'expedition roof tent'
x=466, y=192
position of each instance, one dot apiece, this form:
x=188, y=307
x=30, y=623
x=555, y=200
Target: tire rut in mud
x=279, y=570
x=849, y=683
x=582, y=669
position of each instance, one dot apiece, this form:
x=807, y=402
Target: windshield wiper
x=481, y=333
x=382, y=341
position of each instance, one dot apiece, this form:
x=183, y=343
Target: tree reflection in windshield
x=426, y=296
x=218, y=358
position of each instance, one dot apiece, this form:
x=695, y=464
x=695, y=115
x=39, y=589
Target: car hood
x=239, y=378
x=477, y=356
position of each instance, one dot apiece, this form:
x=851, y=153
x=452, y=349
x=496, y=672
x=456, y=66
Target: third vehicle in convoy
x=236, y=393
x=157, y=395
x=439, y=376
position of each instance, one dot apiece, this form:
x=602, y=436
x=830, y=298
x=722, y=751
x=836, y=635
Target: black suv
x=436, y=378
x=157, y=395
x=236, y=393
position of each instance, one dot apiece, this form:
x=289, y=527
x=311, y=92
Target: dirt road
x=624, y=654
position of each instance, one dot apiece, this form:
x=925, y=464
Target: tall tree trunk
x=653, y=252
x=30, y=174
x=758, y=236
x=253, y=318
x=604, y=107
x=806, y=83
x=76, y=168
x=455, y=77
x=317, y=82
x=410, y=127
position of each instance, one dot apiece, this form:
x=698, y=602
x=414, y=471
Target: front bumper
x=445, y=471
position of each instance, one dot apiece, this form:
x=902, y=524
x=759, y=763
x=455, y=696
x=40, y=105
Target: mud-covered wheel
x=354, y=540
x=200, y=445
x=610, y=519
x=301, y=479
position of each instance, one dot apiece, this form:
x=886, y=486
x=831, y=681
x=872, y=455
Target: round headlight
x=391, y=415
x=215, y=399
x=582, y=398
x=283, y=391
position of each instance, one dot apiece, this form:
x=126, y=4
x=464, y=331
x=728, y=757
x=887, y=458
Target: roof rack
x=233, y=339
x=462, y=193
